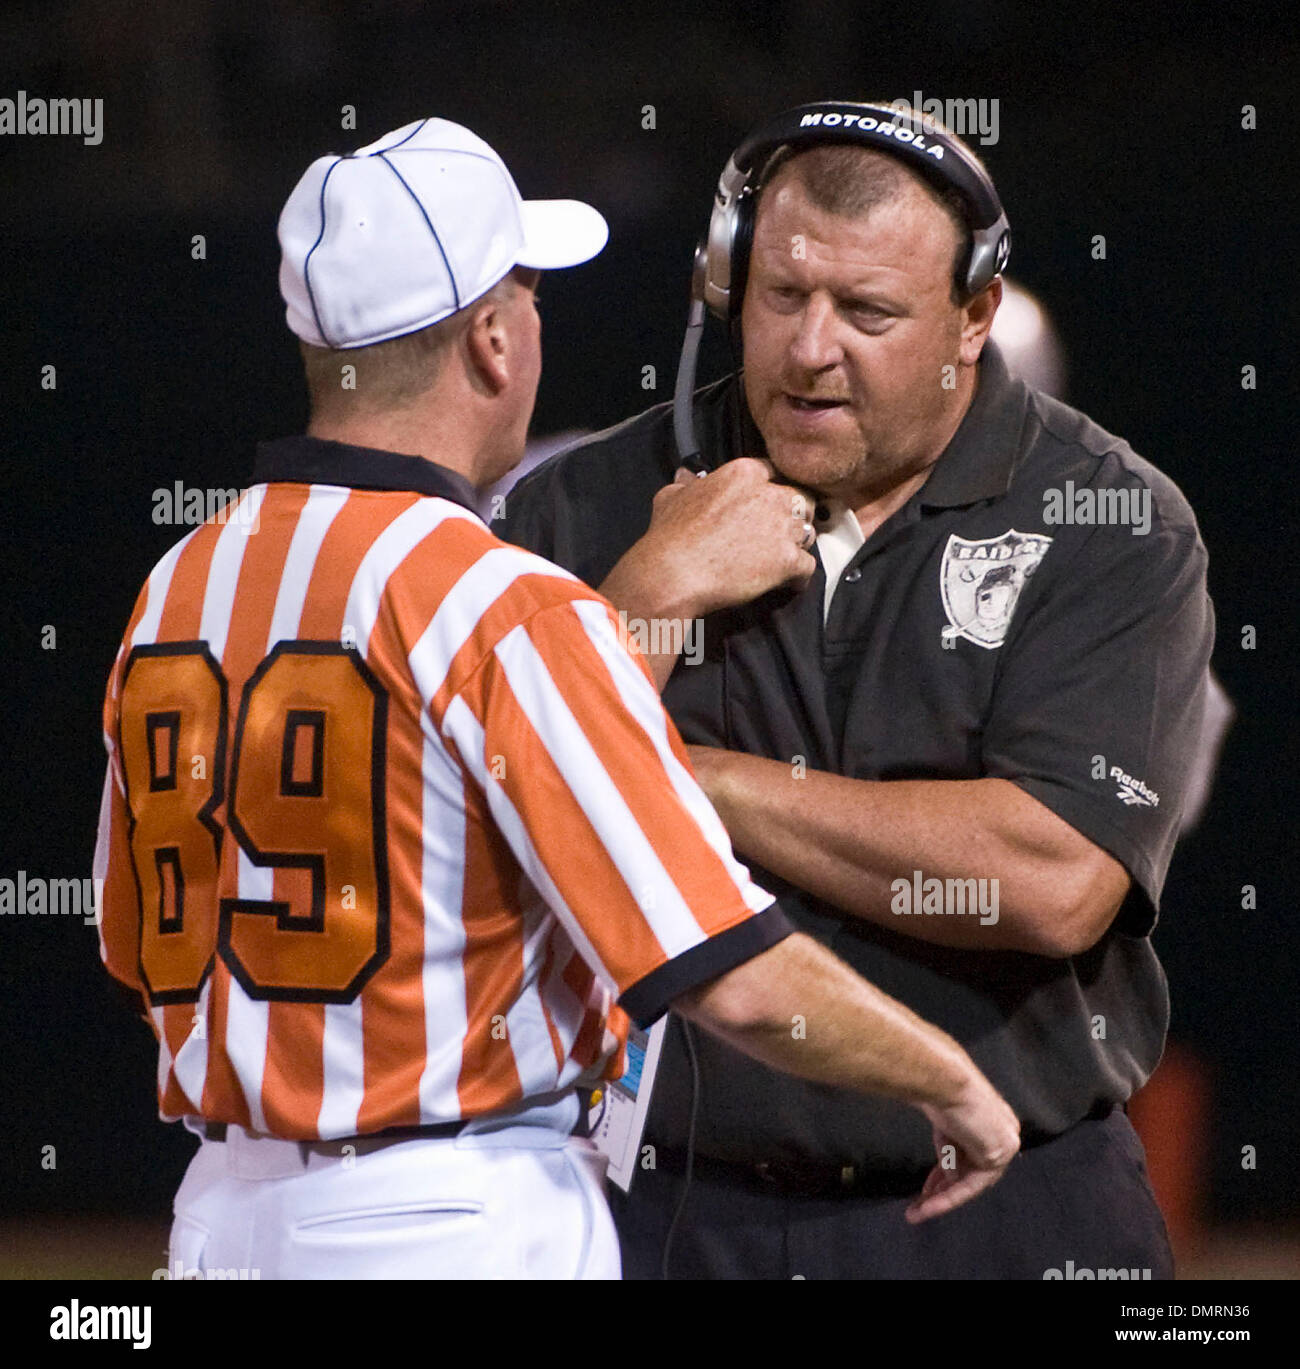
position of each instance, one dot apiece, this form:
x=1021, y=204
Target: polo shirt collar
x=316, y=461
x=979, y=460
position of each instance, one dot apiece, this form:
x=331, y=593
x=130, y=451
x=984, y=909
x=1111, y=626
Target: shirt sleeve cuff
x=649, y=998
x=1138, y=913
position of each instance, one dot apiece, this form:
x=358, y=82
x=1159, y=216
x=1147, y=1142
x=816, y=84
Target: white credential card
x=617, y=1120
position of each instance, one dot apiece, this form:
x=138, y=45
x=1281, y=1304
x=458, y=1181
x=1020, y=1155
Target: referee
x=958, y=754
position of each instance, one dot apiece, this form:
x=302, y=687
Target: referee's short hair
x=386, y=375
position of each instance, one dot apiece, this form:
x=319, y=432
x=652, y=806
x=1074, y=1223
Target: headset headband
x=914, y=139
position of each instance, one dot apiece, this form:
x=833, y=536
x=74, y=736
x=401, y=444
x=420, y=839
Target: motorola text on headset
x=722, y=259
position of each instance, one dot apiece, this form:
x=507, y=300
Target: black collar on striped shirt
x=307, y=460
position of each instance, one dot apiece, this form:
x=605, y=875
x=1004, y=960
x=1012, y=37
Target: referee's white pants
x=515, y=1203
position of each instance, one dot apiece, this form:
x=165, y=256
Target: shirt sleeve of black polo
x=1097, y=713
x=649, y=998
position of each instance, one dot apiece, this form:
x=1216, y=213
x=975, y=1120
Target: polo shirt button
x=851, y=577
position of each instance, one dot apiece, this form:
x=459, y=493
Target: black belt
x=824, y=1178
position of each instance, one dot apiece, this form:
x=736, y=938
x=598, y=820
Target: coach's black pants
x=1080, y=1202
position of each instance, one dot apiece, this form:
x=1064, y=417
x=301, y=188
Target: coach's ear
x=978, y=319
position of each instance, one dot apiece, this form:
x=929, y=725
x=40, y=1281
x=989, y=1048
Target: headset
x=722, y=258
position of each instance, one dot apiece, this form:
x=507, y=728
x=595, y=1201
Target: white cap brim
x=559, y=233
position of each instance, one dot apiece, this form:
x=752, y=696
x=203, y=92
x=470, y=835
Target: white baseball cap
x=411, y=228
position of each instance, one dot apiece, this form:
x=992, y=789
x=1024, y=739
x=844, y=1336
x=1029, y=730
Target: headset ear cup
x=741, y=242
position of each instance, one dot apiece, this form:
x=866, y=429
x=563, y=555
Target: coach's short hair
x=851, y=180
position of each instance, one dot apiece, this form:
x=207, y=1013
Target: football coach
x=951, y=724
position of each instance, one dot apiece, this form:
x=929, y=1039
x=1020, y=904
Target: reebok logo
x=1132, y=790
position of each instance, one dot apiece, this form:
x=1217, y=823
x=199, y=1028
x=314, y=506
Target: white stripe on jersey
x=645, y=707
x=248, y=1019
x=614, y=823
x=223, y=571
x=343, y=1048
x=191, y=1063
x=160, y=581
x=455, y=619
x=322, y=506
x=566, y=1008
x=526, y=1029
x=463, y=727
x=164, y=1051
x=99, y=867
x=446, y=1018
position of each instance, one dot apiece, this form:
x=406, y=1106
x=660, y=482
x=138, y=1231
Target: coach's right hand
x=721, y=539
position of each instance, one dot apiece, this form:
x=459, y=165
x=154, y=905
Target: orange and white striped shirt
x=392, y=815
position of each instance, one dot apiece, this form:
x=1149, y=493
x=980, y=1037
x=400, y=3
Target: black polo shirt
x=992, y=626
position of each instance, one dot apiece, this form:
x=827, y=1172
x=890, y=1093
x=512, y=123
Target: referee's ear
x=487, y=342
x=494, y=336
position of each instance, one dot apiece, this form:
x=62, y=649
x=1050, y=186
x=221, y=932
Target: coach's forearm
x=798, y=1008
x=848, y=841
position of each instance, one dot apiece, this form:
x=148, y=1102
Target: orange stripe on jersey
x=562, y=834
x=181, y=619
x=359, y=522
x=525, y=596
x=493, y=962
x=626, y=752
x=183, y=607
x=114, y=689
x=586, y=1045
x=120, y=935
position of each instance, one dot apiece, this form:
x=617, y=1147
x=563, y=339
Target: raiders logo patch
x=980, y=582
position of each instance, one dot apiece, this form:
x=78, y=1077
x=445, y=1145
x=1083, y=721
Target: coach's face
x=848, y=324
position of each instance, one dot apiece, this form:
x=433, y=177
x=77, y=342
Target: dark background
x=1117, y=122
